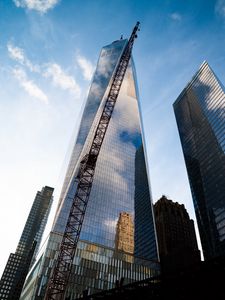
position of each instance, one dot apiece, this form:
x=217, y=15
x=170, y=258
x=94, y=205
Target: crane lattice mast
x=61, y=271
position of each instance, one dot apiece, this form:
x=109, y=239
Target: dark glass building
x=177, y=241
x=102, y=259
x=200, y=115
x=18, y=264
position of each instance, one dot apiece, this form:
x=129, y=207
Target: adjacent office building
x=117, y=196
x=200, y=115
x=18, y=264
x=177, y=241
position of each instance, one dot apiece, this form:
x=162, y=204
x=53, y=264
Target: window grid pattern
x=94, y=268
x=19, y=263
x=200, y=115
x=116, y=189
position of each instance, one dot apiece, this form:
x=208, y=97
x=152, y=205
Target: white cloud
x=49, y=70
x=111, y=224
x=175, y=16
x=61, y=79
x=41, y=6
x=96, y=89
x=220, y=7
x=105, y=66
x=18, y=55
x=86, y=66
x=29, y=86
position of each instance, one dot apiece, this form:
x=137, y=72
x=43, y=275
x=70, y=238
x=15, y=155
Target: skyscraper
x=176, y=235
x=124, y=239
x=97, y=264
x=19, y=263
x=200, y=115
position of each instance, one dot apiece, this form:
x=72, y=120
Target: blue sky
x=48, y=52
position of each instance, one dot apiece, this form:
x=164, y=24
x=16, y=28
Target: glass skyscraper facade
x=200, y=115
x=116, y=191
x=36, y=221
x=18, y=264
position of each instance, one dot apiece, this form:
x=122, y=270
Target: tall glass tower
x=200, y=115
x=116, y=191
x=18, y=264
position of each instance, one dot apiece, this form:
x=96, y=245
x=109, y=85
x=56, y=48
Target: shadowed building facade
x=18, y=264
x=176, y=235
x=200, y=116
x=98, y=261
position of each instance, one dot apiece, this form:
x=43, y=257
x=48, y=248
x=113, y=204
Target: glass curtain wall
x=200, y=115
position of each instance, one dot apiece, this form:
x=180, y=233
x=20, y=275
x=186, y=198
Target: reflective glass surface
x=118, y=236
x=95, y=268
x=36, y=222
x=120, y=182
x=108, y=59
x=200, y=115
x=18, y=264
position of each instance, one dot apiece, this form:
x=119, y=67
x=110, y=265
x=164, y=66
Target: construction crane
x=59, y=278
